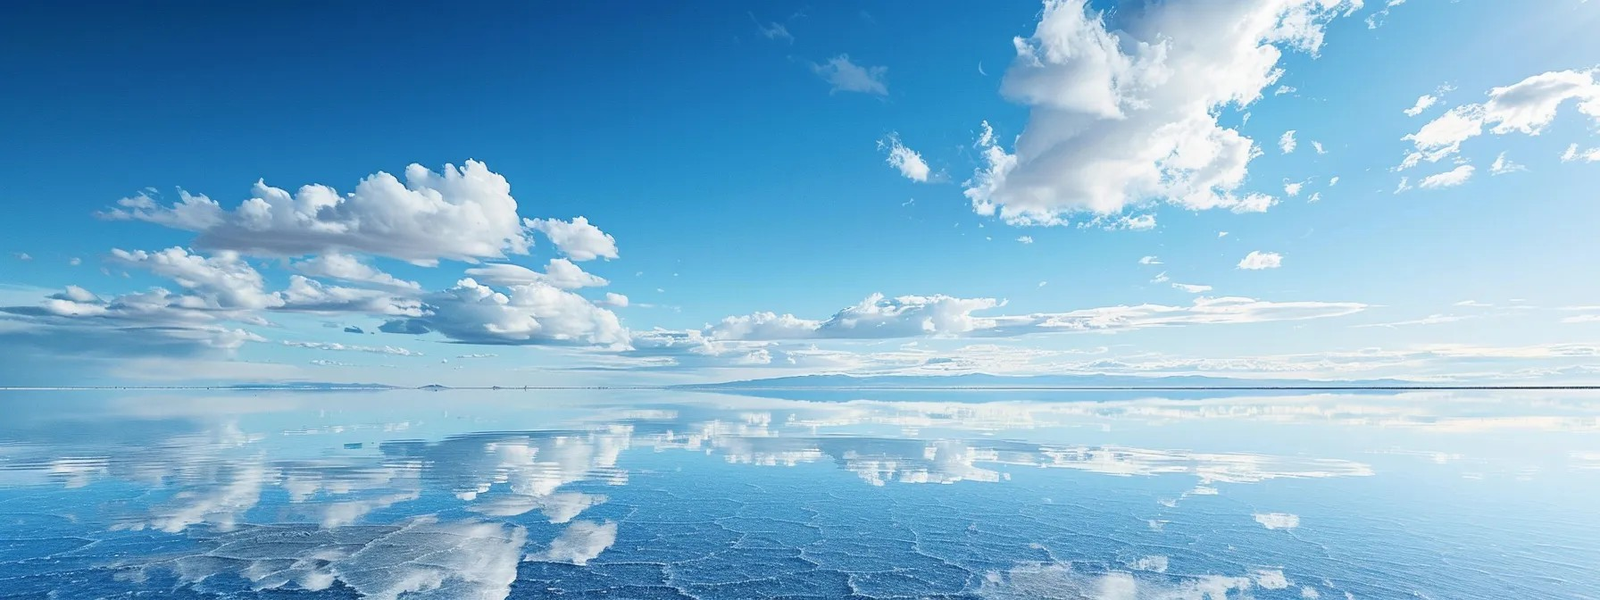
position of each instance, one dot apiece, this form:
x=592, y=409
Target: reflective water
x=414, y=494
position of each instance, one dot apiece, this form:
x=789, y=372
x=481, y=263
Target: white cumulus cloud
x=1451, y=178
x=1124, y=105
x=535, y=313
x=463, y=213
x=1424, y=102
x=1572, y=153
x=1287, y=143
x=875, y=317
x=309, y=295
x=560, y=273
x=909, y=162
x=1257, y=260
x=224, y=280
x=577, y=239
x=349, y=268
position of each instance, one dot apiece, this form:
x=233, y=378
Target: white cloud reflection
x=1277, y=520
x=218, y=476
x=421, y=559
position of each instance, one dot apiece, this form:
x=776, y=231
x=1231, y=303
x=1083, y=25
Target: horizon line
x=727, y=387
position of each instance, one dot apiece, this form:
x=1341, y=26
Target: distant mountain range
x=979, y=380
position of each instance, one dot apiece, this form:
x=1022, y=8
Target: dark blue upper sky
x=590, y=110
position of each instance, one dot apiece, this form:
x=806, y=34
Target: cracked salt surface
x=701, y=496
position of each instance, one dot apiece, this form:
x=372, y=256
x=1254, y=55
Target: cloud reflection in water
x=399, y=495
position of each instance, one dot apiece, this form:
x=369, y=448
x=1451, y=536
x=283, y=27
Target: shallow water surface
x=649, y=494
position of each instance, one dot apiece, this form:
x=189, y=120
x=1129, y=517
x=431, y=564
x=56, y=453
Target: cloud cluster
x=560, y=273
x=534, y=313
x=768, y=338
x=1451, y=178
x=79, y=323
x=225, y=286
x=348, y=268
x=337, y=347
x=309, y=295
x=222, y=281
x=875, y=317
x=793, y=343
x=464, y=213
x=1526, y=107
x=578, y=239
x=1572, y=153
x=1124, y=105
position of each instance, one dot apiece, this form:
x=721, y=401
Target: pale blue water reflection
x=412, y=494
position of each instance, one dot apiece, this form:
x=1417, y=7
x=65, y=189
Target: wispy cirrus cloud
x=878, y=317
x=337, y=347
x=1526, y=107
x=844, y=75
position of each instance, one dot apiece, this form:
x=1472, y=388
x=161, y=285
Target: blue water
x=594, y=494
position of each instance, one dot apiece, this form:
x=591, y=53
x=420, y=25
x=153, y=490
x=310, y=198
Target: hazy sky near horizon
x=607, y=192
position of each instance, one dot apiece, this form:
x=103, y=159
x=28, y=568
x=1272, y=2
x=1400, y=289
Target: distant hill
x=979, y=380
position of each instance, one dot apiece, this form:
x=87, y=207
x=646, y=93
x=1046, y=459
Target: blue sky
x=734, y=168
